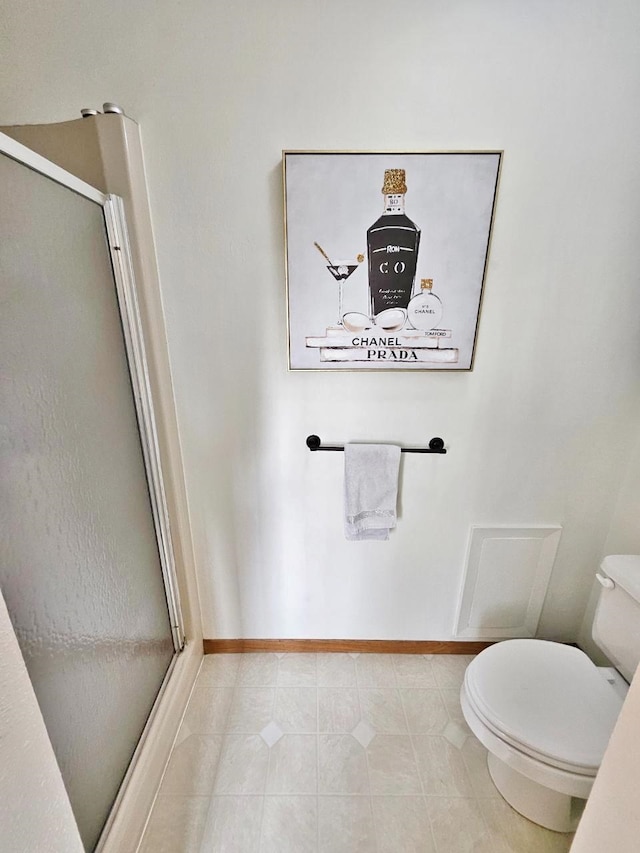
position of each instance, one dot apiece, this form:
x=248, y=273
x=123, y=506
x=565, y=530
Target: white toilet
x=545, y=712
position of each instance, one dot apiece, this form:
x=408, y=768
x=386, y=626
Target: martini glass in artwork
x=340, y=270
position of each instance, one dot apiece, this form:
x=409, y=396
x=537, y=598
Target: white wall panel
x=505, y=581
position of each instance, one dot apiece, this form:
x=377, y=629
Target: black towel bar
x=436, y=445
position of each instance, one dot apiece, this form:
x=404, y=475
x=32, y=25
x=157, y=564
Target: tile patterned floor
x=333, y=753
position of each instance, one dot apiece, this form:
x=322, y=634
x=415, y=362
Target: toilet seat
x=545, y=700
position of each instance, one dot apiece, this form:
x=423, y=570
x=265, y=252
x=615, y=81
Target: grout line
x=337, y=794
x=415, y=754
x=317, y=760
x=266, y=778
x=317, y=757
x=366, y=758
x=261, y=822
x=210, y=795
x=436, y=846
x=272, y=720
x=223, y=738
x=237, y=675
x=466, y=768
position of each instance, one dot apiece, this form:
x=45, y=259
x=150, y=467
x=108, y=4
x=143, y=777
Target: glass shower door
x=80, y=564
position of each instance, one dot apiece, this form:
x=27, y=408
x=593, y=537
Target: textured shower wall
x=28, y=764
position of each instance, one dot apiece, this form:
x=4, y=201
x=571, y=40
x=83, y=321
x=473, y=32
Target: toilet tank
x=616, y=623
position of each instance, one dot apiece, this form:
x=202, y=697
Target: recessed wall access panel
x=506, y=577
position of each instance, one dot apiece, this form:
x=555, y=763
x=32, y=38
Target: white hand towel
x=370, y=490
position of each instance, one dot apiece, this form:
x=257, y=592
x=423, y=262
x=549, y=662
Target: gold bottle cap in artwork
x=394, y=182
x=426, y=283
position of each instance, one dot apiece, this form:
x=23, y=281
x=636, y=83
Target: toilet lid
x=545, y=699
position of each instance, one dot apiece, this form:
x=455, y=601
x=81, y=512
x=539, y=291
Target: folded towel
x=370, y=490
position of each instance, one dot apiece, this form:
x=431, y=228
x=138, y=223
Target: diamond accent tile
x=363, y=733
x=271, y=733
x=316, y=755
x=455, y=734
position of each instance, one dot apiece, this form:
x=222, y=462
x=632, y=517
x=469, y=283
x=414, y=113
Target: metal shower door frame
x=129, y=309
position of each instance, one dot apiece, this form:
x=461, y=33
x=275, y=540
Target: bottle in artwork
x=392, y=245
x=425, y=309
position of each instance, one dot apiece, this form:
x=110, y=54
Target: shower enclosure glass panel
x=79, y=561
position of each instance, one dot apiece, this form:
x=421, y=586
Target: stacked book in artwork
x=408, y=346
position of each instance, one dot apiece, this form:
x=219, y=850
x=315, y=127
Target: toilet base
x=542, y=805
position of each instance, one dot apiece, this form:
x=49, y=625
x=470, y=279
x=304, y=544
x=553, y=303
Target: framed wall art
x=386, y=256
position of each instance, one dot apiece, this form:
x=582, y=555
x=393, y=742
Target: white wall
x=29, y=773
x=540, y=432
